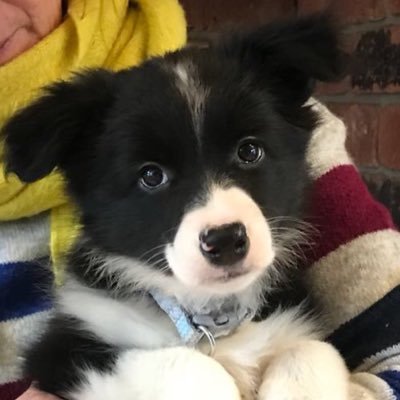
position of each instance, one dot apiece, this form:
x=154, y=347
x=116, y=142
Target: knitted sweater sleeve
x=354, y=272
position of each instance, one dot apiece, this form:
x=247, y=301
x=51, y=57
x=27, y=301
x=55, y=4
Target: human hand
x=35, y=394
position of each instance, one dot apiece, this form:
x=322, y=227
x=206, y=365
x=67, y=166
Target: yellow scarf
x=113, y=34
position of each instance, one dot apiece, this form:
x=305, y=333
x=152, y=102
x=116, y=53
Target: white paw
x=195, y=376
x=312, y=370
x=168, y=374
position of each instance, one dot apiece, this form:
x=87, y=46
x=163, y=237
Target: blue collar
x=221, y=321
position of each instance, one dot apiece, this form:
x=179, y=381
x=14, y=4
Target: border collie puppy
x=188, y=172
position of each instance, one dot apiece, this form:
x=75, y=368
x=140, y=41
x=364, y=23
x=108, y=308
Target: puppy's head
x=179, y=165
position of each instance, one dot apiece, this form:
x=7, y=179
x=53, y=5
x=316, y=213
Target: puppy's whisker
x=158, y=262
x=155, y=248
x=165, y=268
x=290, y=242
x=158, y=254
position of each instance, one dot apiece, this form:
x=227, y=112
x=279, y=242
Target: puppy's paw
x=167, y=374
x=312, y=370
x=192, y=375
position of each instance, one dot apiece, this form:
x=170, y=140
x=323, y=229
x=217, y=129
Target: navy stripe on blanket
x=392, y=378
x=372, y=331
x=25, y=288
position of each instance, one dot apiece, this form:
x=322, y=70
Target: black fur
x=65, y=347
x=99, y=130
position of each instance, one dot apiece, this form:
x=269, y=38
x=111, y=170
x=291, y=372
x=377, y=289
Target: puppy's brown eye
x=152, y=176
x=250, y=152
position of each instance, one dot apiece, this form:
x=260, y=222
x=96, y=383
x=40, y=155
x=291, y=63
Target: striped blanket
x=25, y=304
x=353, y=271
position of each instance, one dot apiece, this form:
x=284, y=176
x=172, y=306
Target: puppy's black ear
x=290, y=56
x=40, y=136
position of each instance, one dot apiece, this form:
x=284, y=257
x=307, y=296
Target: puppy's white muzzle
x=224, y=245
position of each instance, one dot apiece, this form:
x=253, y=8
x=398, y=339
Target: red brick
x=310, y=6
x=194, y=14
x=391, y=88
x=395, y=34
x=389, y=137
x=356, y=11
x=362, y=126
x=393, y=6
x=348, y=11
x=214, y=15
x=342, y=87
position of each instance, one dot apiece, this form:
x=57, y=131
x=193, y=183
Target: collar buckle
x=222, y=321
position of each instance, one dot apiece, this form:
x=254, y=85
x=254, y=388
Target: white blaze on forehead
x=224, y=206
x=189, y=85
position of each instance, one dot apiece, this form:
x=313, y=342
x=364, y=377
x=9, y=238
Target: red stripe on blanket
x=10, y=391
x=342, y=209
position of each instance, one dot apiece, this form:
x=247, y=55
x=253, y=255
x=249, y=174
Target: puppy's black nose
x=224, y=245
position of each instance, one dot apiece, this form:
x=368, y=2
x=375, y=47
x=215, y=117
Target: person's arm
x=355, y=266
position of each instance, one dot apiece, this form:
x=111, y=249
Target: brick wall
x=368, y=99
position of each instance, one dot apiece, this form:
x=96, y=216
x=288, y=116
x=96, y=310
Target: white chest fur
x=130, y=323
